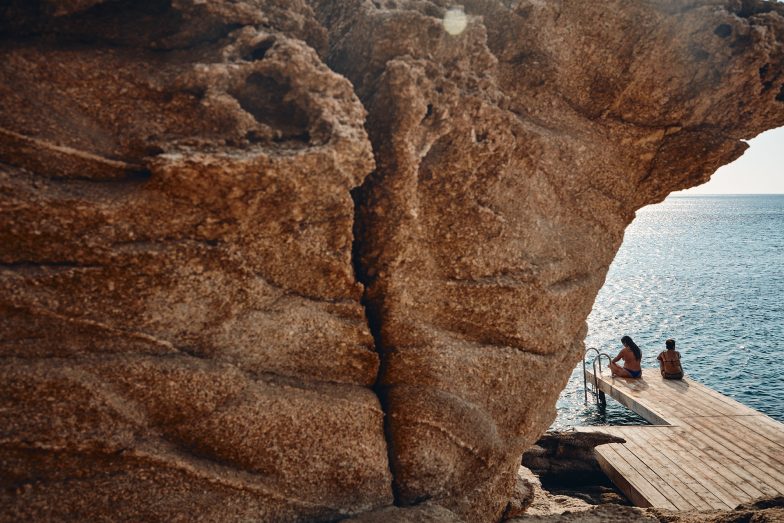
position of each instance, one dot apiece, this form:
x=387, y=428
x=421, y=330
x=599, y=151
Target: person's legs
x=619, y=371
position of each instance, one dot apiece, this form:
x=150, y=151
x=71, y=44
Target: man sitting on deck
x=631, y=356
x=670, y=362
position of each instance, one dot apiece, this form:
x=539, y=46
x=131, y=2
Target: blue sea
x=709, y=272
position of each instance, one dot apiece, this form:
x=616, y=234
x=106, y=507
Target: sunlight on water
x=709, y=272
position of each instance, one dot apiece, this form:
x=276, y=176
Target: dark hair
x=670, y=344
x=626, y=340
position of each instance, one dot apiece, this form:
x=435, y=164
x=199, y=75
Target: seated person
x=670, y=362
x=631, y=356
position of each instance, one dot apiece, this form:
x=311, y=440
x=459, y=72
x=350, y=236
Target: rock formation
x=563, y=465
x=181, y=327
x=194, y=195
x=510, y=158
x=567, y=455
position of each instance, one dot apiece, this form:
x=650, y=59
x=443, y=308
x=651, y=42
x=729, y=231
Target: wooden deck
x=703, y=451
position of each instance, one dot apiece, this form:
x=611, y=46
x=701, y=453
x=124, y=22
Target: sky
x=759, y=171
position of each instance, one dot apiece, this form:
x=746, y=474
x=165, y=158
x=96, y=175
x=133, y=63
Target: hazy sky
x=760, y=169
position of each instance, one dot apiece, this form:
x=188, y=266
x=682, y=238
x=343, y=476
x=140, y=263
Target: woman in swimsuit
x=631, y=356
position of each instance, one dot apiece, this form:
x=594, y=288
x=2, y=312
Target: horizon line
x=676, y=195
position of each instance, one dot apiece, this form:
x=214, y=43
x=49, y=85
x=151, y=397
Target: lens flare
x=455, y=21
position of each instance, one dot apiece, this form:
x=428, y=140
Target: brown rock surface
x=600, y=514
x=547, y=503
x=422, y=513
x=764, y=510
x=567, y=455
x=181, y=332
x=510, y=158
x=566, y=472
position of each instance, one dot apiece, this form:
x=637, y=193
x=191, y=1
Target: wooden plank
x=722, y=431
x=690, y=396
x=690, y=406
x=659, y=394
x=668, y=465
x=675, y=459
x=653, y=479
x=774, y=424
x=729, y=461
x=721, y=452
x=761, y=426
x=658, y=387
x=737, y=488
x=742, y=463
x=756, y=432
x=676, y=406
x=664, y=479
x=723, y=467
x=622, y=479
x=737, y=433
x=687, y=399
x=743, y=446
x=671, y=442
x=629, y=479
x=724, y=399
x=708, y=405
x=626, y=399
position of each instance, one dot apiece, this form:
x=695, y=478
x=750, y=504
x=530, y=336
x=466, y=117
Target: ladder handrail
x=596, y=375
x=596, y=359
x=585, y=380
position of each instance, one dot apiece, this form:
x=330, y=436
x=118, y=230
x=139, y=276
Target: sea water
x=707, y=271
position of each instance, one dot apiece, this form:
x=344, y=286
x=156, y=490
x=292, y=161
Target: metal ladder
x=598, y=395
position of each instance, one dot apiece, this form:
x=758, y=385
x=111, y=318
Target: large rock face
x=181, y=327
x=184, y=333
x=510, y=158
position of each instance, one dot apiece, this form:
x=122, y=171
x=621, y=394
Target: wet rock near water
x=307, y=260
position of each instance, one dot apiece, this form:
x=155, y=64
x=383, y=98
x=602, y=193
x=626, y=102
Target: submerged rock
x=195, y=193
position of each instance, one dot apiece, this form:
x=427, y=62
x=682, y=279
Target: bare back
x=670, y=363
x=629, y=360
